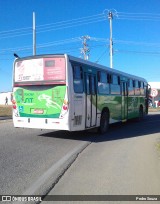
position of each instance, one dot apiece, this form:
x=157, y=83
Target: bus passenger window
x=142, y=88
x=115, y=86
x=93, y=87
x=77, y=79
x=119, y=81
x=103, y=85
x=115, y=80
x=108, y=78
x=130, y=87
x=137, y=89
x=88, y=84
x=145, y=89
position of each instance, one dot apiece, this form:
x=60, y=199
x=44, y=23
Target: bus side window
x=137, y=88
x=93, y=85
x=103, y=85
x=145, y=90
x=115, y=86
x=108, y=78
x=119, y=81
x=78, y=79
x=130, y=87
x=142, y=88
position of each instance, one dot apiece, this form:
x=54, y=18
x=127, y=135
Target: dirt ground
x=5, y=110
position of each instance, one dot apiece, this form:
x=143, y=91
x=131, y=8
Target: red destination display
x=54, y=69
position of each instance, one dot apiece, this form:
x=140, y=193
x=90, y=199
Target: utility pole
x=34, y=34
x=110, y=17
x=85, y=50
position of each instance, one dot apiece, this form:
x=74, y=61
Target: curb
x=45, y=184
x=5, y=119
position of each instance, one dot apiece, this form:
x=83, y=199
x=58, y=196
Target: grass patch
x=154, y=109
x=5, y=110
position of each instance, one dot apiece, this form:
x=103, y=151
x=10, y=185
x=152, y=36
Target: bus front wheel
x=104, y=122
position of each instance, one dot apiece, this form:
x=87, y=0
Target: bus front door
x=91, y=100
x=124, y=101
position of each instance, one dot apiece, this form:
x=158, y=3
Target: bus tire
x=141, y=115
x=104, y=122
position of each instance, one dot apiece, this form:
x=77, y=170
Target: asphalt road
x=25, y=154
x=125, y=161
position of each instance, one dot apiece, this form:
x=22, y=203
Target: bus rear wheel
x=141, y=115
x=104, y=122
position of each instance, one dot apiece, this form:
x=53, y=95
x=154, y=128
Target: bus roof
x=86, y=62
x=112, y=70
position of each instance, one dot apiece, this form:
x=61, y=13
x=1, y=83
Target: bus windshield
x=49, y=70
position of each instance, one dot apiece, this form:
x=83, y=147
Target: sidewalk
x=123, y=166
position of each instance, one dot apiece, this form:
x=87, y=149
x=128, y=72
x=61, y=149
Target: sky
x=61, y=25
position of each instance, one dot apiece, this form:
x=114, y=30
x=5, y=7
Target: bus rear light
x=65, y=107
x=14, y=106
x=13, y=102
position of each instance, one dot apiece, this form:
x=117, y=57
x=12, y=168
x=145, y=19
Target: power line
x=78, y=39
x=15, y=30
x=156, y=45
x=154, y=14
x=54, y=26
x=62, y=23
x=70, y=25
x=138, y=16
x=78, y=22
x=49, y=44
x=138, y=52
x=138, y=19
x=101, y=56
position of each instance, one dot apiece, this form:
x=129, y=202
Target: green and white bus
x=62, y=92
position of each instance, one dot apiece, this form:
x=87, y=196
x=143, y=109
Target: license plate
x=38, y=111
